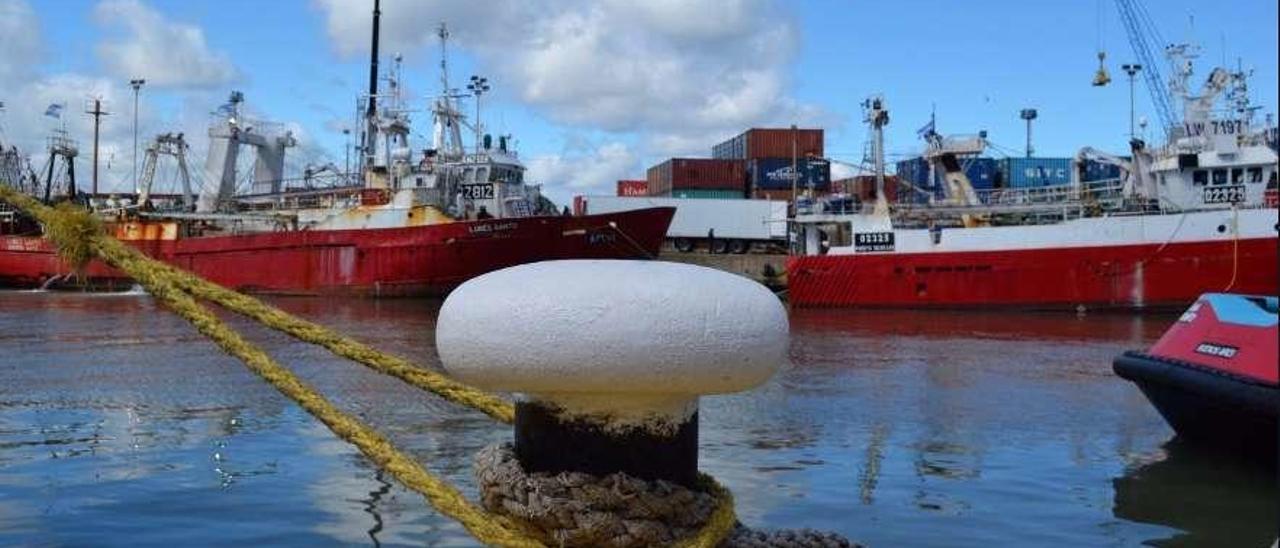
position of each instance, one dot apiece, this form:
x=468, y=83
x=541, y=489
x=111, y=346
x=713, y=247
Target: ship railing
x=1097, y=191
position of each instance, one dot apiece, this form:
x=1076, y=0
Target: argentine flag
x=54, y=111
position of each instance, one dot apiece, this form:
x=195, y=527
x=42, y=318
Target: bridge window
x=1237, y=175
x=1200, y=177
x=1219, y=177
x=1255, y=175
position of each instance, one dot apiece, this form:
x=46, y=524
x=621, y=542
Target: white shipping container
x=731, y=219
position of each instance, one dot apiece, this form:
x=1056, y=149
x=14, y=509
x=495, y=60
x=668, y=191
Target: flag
x=926, y=130
x=54, y=111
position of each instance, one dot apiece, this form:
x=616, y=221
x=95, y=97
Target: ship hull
x=411, y=261
x=1112, y=276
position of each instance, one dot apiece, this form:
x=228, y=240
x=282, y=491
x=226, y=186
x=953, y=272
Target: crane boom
x=1140, y=29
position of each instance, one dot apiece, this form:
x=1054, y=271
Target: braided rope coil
x=614, y=511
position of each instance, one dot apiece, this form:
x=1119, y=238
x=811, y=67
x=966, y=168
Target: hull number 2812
x=478, y=191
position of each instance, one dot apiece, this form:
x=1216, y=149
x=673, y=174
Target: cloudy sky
x=597, y=90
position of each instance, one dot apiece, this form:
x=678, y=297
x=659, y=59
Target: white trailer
x=723, y=226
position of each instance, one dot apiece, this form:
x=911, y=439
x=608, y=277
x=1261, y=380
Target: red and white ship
x=1197, y=215
x=417, y=223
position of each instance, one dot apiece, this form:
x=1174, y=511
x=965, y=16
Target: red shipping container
x=772, y=143
x=633, y=188
x=696, y=173
x=864, y=187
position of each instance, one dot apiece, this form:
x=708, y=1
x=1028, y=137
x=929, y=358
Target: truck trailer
x=719, y=226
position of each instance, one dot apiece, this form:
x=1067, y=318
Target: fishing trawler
x=411, y=223
x=1193, y=216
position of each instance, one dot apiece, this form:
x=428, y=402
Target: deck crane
x=1142, y=32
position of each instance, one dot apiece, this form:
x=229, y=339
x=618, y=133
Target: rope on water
x=379, y=450
x=73, y=230
x=346, y=347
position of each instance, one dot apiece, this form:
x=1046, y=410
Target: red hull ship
x=407, y=222
x=1196, y=215
x=1115, y=276
x=410, y=261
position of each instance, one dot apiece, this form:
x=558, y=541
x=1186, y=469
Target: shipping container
x=864, y=187
x=914, y=171
x=771, y=143
x=983, y=173
x=633, y=188
x=777, y=174
x=705, y=193
x=1035, y=172
x=1098, y=171
x=690, y=173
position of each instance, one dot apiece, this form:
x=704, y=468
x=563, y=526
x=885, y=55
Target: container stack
x=757, y=163
x=697, y=178
x=983, y=174
x=779, y=159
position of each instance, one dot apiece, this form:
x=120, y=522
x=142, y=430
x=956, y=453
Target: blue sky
x=599, y=91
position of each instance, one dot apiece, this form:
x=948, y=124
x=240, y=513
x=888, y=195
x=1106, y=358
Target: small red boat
x=1215, y=375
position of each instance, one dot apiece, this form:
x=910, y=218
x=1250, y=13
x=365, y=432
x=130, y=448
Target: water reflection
x=371, y=505
x=894, y=428
x=1209, y=499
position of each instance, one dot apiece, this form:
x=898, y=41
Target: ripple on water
x=120, y=425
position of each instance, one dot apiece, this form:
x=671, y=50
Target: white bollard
x=608, y=357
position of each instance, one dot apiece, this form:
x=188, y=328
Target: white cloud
x=842, y=171
x=149, y=39
x=678, y=73
x=164, y=52
x=19, y=39
x=588, y=170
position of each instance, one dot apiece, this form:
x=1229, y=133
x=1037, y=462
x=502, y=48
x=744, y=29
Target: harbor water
x=120, y=425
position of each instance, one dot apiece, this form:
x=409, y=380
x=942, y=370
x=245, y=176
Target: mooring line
x=79, y=237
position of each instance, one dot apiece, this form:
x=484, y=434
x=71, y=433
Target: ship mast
x=877, y=116
x=371, y=113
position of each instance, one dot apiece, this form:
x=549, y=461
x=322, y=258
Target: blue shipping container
x=775, y=173
x=982, y=172
x=914, y=171
x=1098, y=171
x=1034, y=172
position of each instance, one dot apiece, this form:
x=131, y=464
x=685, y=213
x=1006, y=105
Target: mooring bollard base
x=546, y=442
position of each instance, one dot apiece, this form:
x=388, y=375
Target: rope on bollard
x=78, y=237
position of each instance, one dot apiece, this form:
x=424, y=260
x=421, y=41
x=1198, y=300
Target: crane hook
x=1101, y=78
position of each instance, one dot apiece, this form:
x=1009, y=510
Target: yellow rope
x=71, y=229
x=78, y=237
x=484, y=526
x=346, y=347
